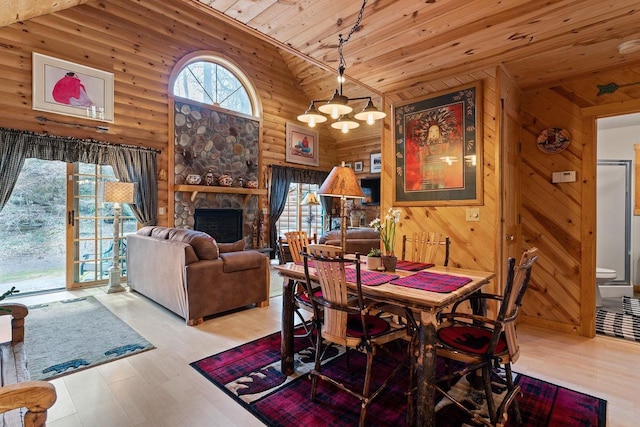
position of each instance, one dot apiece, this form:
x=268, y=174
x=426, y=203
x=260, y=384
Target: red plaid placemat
x=412, y=266
x=369, y=278
x=432, y=282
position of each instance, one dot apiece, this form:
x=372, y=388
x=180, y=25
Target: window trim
x=223, y=61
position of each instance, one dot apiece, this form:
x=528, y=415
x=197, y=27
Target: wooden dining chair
x=345, y=322
x=423, y=246
x=481, y=342
x=297, y=241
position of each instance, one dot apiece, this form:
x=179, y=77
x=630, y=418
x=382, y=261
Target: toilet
x=603, y=275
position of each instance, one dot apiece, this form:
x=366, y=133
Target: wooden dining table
x=425, y=305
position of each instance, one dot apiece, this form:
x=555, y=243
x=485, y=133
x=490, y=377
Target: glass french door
x=90, y=226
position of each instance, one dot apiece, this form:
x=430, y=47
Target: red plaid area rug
x=251, y=375
x=433, y=282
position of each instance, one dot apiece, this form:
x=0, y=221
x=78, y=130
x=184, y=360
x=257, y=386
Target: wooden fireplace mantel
x=195, y=189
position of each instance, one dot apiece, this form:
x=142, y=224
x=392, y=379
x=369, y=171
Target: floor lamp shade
x=119, y=192
x=310, y=199
x=342, y=182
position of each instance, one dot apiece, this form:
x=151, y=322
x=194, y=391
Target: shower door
x=614, y=218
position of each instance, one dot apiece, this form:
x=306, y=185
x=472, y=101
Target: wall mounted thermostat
x=565, y=176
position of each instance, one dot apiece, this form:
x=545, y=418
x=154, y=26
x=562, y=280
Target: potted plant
x=374, y=262
x=387, y=230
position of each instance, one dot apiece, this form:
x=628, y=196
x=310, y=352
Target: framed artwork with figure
x=301, y=145
x=438, y=149
x=71, y=89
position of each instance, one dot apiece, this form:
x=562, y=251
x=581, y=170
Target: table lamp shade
x=341, y=182
x=119, y=192
x=310, y=199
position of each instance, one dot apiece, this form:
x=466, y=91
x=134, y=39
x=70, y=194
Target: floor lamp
x=342, y=182
x=117, y=193
x=310, y=199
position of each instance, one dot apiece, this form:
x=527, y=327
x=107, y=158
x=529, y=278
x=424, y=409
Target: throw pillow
x=231, y=247
x=203, y=245
x=631, y=306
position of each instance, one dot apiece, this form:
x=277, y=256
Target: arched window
x=215, y=81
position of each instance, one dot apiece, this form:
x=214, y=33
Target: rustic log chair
x=17, y=393
x=345, y=323
x=481, y=342
x=297, y=241
x=423, y=246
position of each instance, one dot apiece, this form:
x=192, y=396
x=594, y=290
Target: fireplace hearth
x=224, y=225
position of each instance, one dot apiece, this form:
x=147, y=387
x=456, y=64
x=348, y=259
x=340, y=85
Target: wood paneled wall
x=560, y=219
x=473, y=244
x=140, y=42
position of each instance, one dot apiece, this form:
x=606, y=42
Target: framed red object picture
x=63, y=87
x=438, y=149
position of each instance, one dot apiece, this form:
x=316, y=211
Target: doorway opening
x=618, y=229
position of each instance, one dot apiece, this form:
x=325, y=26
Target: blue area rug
x=67, y=336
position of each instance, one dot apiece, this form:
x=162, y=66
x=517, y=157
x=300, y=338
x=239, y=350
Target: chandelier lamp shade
x=338, y=107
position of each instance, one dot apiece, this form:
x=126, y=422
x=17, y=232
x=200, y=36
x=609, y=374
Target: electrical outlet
x=473, y=214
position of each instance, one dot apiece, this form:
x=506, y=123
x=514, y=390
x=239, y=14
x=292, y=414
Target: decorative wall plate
x=554, y=140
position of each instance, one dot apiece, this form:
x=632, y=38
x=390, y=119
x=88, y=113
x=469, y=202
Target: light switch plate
x=564, y=176
x=161, y=210
x=473, y=214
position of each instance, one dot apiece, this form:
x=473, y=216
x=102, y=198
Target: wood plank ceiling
x=409, y=43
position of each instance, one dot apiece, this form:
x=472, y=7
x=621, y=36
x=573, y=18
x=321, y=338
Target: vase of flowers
x=387, y=230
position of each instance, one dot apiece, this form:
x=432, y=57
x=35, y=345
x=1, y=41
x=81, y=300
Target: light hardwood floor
x=158, y=388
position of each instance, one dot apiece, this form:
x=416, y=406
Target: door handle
x=70, y=217
x=510, y=237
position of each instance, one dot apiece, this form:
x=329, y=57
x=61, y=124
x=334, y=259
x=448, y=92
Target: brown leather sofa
x=359, y=239
x=191, y=274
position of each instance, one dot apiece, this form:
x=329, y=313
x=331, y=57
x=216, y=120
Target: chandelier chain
x=342, y=40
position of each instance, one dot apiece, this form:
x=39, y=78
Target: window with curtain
x=296, y=217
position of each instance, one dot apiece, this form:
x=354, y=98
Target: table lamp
x=342, y=182
x=117, y=193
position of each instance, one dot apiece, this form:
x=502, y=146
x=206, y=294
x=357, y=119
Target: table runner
x=412, y=265
x=432, y=282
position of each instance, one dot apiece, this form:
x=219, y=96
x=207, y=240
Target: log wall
x=140, y=42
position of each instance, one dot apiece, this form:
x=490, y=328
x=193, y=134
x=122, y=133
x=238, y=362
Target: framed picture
x=349, y=165
x=358, y=166
x=63, y=87
x=438, y=149
x=376, y=162
x=301, y=145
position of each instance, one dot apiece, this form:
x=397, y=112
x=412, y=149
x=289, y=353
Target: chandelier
x=338, y=107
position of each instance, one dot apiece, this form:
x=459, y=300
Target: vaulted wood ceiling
x=409, y=43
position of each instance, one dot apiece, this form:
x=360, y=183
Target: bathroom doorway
x=616, y=236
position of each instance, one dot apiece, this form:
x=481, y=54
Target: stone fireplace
x=208, y=140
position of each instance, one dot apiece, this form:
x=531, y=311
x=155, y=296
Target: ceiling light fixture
x=338, y=106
